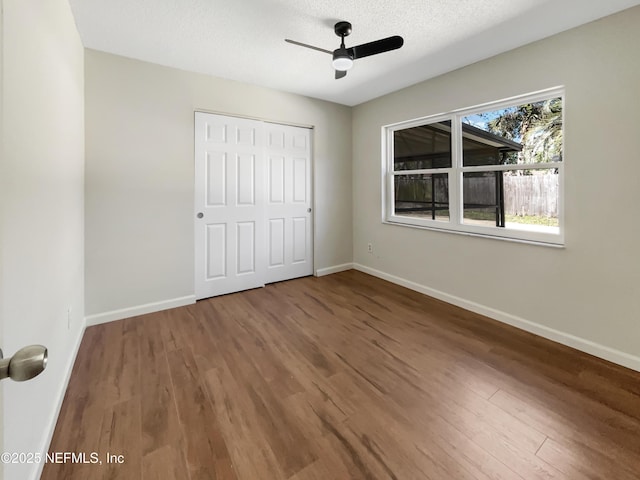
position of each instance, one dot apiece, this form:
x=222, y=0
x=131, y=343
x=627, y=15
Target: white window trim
x=455, y=173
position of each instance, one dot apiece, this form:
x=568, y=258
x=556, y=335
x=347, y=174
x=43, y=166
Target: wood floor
x=341, y=377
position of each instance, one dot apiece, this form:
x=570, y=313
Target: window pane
x=423, y=147
x=513, y=199
x=422, y=196
x=521, y=134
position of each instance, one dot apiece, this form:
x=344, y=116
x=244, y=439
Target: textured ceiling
x=244, y=39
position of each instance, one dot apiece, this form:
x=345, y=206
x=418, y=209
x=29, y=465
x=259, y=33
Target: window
x=491, y=170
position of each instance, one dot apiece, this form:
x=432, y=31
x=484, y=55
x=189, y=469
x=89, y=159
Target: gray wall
x=42, y=219
x=591, y=288
x=139, y=174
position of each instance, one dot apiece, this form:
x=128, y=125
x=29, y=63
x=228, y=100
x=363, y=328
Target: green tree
x=537, y=126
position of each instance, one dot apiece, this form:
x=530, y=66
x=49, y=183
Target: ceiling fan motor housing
x=342, y=29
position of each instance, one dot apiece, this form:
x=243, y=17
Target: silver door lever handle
x=26, y=363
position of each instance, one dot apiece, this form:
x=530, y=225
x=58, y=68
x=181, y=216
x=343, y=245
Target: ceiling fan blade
x=340, y=74
x=308, y=46
x=379, y=46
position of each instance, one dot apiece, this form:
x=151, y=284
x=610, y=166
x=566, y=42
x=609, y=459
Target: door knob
x=26, y=363
x=200, y=215
x=309, y=210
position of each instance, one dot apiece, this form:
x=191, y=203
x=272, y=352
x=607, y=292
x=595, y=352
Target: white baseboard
x=587, y=346
x=114, y=315
x=51, y=428
x=321, y=272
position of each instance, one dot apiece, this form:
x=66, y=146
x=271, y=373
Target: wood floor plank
x=159, y=416
x=205, y=448
x=78, y=430
x=239, y=421
x=578, y=461
x=165, y=463
x=274, y=421
x=341, y=377
x=321, y=401
x=119, y=375
x=580, y=428
x=350, y=450
x=257, y=346
x=120, y=448
x=318, y=470
x=429, y=430
x=412, y=390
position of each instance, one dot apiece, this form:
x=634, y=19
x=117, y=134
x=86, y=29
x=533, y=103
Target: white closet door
x=288, y=202
x=229, y=205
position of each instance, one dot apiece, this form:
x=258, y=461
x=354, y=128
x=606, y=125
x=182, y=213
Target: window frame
x=457, y=170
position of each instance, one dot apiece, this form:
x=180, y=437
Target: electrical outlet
x=369, y=247
x=69, y=318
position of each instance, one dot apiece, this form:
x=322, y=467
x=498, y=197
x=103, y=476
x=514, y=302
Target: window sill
x=488, y=235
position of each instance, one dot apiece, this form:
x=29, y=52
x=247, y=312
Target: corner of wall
x=59, y=397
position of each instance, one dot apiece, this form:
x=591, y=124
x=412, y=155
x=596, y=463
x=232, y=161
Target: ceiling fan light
x=342, y=61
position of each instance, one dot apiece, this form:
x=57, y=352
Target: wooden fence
x=531, y=195
x=535, y=195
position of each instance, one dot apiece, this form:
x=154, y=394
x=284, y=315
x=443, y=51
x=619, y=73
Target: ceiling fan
x=343, y=57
